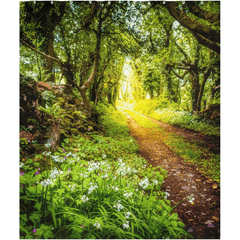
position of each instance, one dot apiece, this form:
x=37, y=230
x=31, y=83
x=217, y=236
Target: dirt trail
x=183, y=180
x=210, y=142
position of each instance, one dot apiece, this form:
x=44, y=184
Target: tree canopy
x=173, y=47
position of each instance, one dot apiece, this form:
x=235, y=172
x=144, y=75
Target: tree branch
x=206, y=42
x=181, y=77
x=43, y=54
x=191, y=24
x=210, y=17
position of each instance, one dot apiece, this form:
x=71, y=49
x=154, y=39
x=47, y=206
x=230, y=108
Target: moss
x=39, y=148
x=78, y=115
x=68, y=116
x=60, y=101
x=74, y=131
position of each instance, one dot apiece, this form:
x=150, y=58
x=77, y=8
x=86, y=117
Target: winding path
x=202, y=217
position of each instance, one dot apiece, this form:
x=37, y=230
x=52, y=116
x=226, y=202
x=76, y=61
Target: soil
x=202, y=219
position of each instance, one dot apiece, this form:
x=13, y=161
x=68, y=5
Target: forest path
x=203, y=217
x=210, y=142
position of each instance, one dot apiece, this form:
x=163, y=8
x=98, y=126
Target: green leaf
x=174, y=224
x=181, y=224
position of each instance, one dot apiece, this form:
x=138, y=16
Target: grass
x=96, y=186
x=191, y=151
x=185, y=119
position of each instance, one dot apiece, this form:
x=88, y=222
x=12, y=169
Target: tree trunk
x=195, y=88
x=90, y=80
x=49, y=50
x=205, y=78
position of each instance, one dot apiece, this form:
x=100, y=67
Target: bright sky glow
x=127, y=68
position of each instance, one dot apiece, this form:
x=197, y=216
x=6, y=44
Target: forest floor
x=202, y=218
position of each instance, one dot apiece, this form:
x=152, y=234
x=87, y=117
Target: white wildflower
x=191, y=198
x=118, y=205
x=126, y=225
x=84, y=198
x=21, y=165
x=127, y=195
x=48, y=144
x=155, y=181
x=105, y=176
x=54, y=173
x=58, y=158
x=97, y=225
x=92, y=188
x=127, y=214
x=46, y=182
x=93, y=166
x=115, y=188
x=166, y=195
x=144, y=183
x=72, y=187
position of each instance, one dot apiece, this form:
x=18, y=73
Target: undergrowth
x=96, y=186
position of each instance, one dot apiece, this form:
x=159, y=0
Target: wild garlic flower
x=71, y=154
x=118, y=205
x=127, y=195
x=46, y=182
x=84, y=175
x=48, y=144
x=21, y=165
x=127, y=214
x=84, y=198
x=93, y=166
x=191, y=198
x=58, y=159
x=97, y=225
x=166, y=195
x=54, y=173
x=126, y=225
x=115, y=188
x=92, y=188
x=105, y=176
x=104, y=155
x=144, y=183
x=72, y=187
x=155, y=181
x=47, y=153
